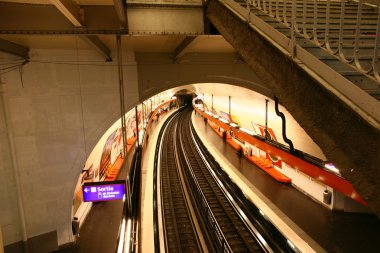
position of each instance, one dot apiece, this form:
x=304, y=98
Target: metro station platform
x=100, y=230
x=321, y=228
x=318, y=227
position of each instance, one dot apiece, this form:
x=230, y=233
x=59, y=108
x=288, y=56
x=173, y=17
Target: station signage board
x=103, y=191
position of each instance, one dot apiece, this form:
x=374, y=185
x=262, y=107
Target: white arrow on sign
x=86, y=190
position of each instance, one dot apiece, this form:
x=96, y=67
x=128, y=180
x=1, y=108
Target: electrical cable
x=10, y=70
x=10, y=67
x=81, y=96
x=11, y=62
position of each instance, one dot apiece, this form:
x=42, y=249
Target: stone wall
x=56, y=108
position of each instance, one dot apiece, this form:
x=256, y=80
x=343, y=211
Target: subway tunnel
x=59, y=96
x=307, y=192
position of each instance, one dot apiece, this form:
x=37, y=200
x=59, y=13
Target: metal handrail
x=285, y=20
x=277, y=8
x=376, y=51
x=270, y=8
x=304, y=21
x=341, y=54
x=322, y=28
x=327, y=29
x=357, y=39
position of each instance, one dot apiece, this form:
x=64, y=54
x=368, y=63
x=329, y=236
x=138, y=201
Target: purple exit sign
x=103, y=191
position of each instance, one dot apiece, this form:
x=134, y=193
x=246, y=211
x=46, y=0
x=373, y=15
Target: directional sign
x=103, y=191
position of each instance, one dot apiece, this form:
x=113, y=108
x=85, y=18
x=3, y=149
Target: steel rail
x=216, y=233
x=180, y=233
x=204, y=177
x=167, y=205
x=234, y=202
x=184, y=146
x=155, y=187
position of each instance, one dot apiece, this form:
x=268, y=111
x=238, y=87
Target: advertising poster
x=105, y=159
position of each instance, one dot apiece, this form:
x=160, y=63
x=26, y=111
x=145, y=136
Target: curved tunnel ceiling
x=249, y=107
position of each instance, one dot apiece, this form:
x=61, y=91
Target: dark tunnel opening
x=185, y=97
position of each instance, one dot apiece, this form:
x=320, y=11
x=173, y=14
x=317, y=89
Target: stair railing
x=357, y=39
x=315, y=24
x=376, y=51
x=341, y=53
x=327, y=29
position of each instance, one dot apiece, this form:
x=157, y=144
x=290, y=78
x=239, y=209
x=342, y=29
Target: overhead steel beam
x=70, y=10
x=13, y=48
x=99, y=19
x=120, y=12
x=98, y=45
x=184, y=46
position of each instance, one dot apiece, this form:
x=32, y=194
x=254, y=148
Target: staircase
x=329, y=31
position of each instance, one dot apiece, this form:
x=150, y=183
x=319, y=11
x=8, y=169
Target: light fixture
x=291, y=244
x=332, y=168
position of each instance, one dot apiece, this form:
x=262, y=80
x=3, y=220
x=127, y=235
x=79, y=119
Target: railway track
x=202, y=210
x=180, y=233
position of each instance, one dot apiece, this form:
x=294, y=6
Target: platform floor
x=334, y=231
x=322, y=229
x=100, y=229
x=99, y=232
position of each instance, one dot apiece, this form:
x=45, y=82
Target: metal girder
x=120, y=12
x=99, y=19
x=184, y=46
x=47, y=19
x=70, y=10
x=98, y=45
x=13, y=48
